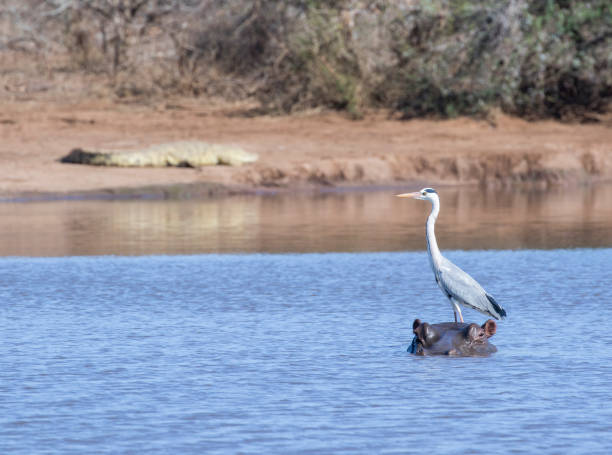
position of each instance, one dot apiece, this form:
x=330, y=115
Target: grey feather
x=457, y=284
x=459, y=287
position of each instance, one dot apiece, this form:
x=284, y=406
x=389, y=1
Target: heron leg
x=456, y=310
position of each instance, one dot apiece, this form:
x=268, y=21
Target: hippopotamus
x=452, y=338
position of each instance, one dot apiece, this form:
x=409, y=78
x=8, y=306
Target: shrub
x=550, y=58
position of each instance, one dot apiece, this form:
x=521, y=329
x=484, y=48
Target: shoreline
x=205, y=191
x=317, y=152
x=199, y=191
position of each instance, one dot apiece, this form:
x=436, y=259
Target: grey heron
x=458, y=286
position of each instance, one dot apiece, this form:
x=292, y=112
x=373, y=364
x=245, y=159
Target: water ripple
x=299, y=354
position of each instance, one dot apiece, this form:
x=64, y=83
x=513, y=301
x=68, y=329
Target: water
x=302, y=353
x=299, y=353
x=470, y=218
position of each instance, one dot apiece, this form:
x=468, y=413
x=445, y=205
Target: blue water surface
x=298, y=354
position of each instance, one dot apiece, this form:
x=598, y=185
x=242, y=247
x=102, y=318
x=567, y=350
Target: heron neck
x=432, y=244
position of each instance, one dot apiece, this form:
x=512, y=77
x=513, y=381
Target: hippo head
x=449, y=338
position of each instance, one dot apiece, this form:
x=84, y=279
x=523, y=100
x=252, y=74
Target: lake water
x=470, y=218
x=300, y=353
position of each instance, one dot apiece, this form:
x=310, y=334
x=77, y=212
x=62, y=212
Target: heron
x=457, y=285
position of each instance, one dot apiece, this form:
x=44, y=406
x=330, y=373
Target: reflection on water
x=470, y=218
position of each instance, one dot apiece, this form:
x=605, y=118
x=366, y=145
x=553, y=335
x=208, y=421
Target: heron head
x=426, y=194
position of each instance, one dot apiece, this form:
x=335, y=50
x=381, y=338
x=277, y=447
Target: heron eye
x=424, y=193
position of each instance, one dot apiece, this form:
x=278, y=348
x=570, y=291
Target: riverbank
x=309, y=151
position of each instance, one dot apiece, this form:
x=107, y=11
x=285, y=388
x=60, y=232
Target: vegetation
x=546, y=58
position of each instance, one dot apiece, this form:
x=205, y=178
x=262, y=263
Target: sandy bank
x=306, y=151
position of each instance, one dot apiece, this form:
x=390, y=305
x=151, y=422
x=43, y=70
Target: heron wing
x=461, y=286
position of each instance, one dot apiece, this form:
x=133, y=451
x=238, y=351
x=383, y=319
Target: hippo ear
x=472, y=332
x=490, y=327
x=415, y=324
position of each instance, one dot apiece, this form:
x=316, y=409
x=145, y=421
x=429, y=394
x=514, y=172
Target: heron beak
x=414, y=195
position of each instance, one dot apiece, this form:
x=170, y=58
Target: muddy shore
x=301, y=152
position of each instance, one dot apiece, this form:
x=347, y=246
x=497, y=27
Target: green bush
x=442, y=58
x=430, y=58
